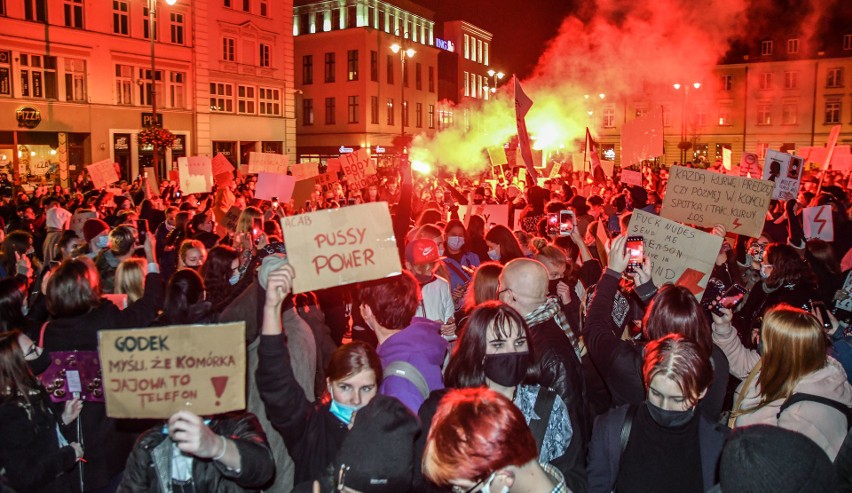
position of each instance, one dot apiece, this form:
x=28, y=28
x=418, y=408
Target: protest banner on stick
x=336, y=247
x=706, y=198
x=153, y=373
x=679, y=254
x=195, y=174
x=785, y=171
x=102, y=173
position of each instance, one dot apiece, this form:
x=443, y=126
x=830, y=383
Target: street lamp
x=495, y=76
x=152, y=6
x=403, y=54
x=684, y=145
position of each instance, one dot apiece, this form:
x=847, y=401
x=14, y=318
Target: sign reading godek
x=28, y=117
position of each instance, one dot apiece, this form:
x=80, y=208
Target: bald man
x=523, y=286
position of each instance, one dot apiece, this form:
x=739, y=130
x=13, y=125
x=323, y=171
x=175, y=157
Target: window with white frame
x=479, y=50
x=790, y=114
x=146, y=27
x=73, y=10
x=123, y=84
x=418, y=115
x=246, y=100
x=764, y=114
x=835, y=77
x=832, y=112
x=466, y=85
x=221, y=97
x=485, y=60
x=35, y=10
x=269, y=101
x=766, y=48
x=264, y=8
x=667, y=115
x=354, y=109
x=724, y=115
x=246, y=5
x=177, y=89
x=265, y=56
x=847, y=41
x=431, y=116
x=176, y=27
x=793, y=46
x=791, y=80
x=145, y=87
x=765, y=81
x=700, y=116
x=38, y=76
x=727, y=82
x=466, y=47
x=5, y=73
x=608, y=118
x=374, y=109
x=120, y=17
x=75, y=80
x=229, y=49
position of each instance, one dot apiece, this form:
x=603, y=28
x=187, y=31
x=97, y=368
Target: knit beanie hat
x=377, y=455
x=764, y=458
x=93, y=228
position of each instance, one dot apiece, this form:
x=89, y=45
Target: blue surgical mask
x=440, y=250
x=763, y=273
x=25, y=309
x=493, y=255
x=343, y=412
x=235, y=278
x=102, y=241
x=455, y=242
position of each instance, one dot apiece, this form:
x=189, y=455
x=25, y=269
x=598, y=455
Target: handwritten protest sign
x=152, y=181
x=642, y=138
x=301, y=171
x=492, y=213
x=816, y=157
x=267, y=163
x=326, y=179
x=359, y=168
x=748, y=165
x=818, y=223
x=153, y=373
x=630, y=177
x=679, y=254
x=497, y=155
x=707, y=198
x=785, y=171
x=336, y=247
x=195, y=174
x=223, y=170
x=229, y=220
x=102, y=173
x=554, y=171
x=271, y=185
x=303, y=191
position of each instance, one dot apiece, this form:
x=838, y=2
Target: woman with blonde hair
x=130, y=278
x=791, y=382
x=191, y=255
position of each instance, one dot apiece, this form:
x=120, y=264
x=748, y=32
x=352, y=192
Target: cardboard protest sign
x=326, y=179
x=332, y=166
x=492, y=213
x=336, y=247
x=195, y=174
x=301, y=171
x=497, y=155
x=679, y=254
x=818, y=223
x=726, y=158
x=303, y=191
x=630, y=177
x=707, y=198
x=102, y=173
x=748, y=165
x=785, y=171
x=267, y=163
x=153, y=373
x=816, y=157
x=830, y=145
x=642, y=138
x=271, y=185
x=223, y=170
x=554, y=171
x=359, y=168
x=152, y=180
x=229, y=220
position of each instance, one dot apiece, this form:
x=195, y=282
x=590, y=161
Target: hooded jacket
x=421, y=345
x=823, y=424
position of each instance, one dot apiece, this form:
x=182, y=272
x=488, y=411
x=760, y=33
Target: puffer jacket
x=823, y=424
x=149, y=465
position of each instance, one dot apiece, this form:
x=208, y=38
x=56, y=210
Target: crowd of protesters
x=511, y=357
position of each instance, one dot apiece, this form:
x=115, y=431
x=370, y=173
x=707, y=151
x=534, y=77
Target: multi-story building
x=783, y=93
x=354, y=90
x=76, y=82
x=463, y=68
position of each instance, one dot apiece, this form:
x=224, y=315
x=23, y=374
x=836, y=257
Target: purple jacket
x=421, y=345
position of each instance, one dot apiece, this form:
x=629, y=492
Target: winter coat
x=823, y=424
x=149, y=466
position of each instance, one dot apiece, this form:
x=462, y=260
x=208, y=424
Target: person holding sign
x=34, y=454
x=312, y=431
x=223, y=454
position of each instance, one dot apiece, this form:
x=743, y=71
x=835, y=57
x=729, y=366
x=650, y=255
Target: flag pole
x=585, y=150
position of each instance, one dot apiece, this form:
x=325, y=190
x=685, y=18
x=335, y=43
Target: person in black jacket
x=673, y=310
x=232, y=448
x=668, y=446
x=312, y=431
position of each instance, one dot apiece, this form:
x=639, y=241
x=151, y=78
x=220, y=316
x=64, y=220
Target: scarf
x=551, y=310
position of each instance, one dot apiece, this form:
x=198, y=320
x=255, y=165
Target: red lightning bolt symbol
x=819, y=220
x=737, y=223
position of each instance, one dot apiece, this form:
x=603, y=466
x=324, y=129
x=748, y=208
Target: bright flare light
x=421, y=167
x=546, y=137
x=395, y=48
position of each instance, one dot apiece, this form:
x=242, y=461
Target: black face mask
x=670, y=419
x=40, y=364
x=424, y=280
x=552, y=285
x=508, y=369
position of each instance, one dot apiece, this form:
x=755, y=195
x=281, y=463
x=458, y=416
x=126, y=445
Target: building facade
x=354, y=91
x=76, y=82
x=464, y=65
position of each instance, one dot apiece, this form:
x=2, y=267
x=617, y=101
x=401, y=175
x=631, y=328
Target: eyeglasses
x=479, y=486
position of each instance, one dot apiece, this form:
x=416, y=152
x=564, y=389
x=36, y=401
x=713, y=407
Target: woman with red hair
x=479, y=439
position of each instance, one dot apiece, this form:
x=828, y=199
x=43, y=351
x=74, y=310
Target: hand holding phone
x=635, y=248
x=553, y=223
x=142, y=230
x=730, y=299
x=567, y=220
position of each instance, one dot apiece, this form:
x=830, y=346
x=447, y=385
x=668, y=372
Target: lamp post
x=152, y=7
x=495, y=76
x=403, y=54
x=684, y=145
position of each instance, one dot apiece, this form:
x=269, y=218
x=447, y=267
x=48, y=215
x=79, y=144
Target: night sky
x=521, y=28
